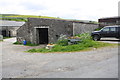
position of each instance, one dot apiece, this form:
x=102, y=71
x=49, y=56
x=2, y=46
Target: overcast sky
x=68, y=9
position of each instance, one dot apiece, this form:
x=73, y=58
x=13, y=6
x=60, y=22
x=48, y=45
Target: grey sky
x=69, y=9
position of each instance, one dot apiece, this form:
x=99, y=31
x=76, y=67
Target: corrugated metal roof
x=11, y=23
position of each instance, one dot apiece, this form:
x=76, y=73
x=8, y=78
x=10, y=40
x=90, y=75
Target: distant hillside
x=16, y=17
x=3, y=15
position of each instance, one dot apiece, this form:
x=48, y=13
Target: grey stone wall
x=1, y=37
x=23, y=33
x=29, y=31
x=79, y=28
x=56, y=28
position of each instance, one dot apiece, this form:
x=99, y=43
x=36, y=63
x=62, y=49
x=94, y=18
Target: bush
x=62, y=42
x=84, y=36
x=62, y=37
x=98, y=29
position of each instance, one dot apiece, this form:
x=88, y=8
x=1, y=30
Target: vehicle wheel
x=96, y=38
x=118, y=38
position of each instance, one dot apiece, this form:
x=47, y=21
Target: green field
x=16, y=17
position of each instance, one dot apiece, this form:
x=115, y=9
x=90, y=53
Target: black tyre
x=118, y=38
x=96, y=38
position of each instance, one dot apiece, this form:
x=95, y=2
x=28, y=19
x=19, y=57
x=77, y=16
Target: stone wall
x=13, y=31
x=79, y=28
x=23, y=33
x=1, y=37
x=29, y=31
x=10, y=30
x=56, y=28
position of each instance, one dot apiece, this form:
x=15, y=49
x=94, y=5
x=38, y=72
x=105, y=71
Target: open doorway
x=4, y=32
x=43, y=35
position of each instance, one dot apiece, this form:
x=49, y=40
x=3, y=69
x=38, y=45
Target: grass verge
x=6, y=37
x=85, y=45
x=1, y=40
x=118, y=44
x=28, y=44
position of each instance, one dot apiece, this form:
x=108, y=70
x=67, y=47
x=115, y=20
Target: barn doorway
x=4, y=32
x=9, y=33
x=43, y=35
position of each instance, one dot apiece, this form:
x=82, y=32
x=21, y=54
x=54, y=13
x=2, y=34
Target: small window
x=106, y=29
x=118, y=29
x=112, y=29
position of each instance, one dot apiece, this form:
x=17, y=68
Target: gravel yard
x=97, y=63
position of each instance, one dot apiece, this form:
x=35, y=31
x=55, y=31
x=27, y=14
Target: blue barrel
x=24, y=42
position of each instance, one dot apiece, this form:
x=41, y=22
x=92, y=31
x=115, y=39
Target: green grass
x=17, y=17
x=28, y=44
x=85, y=45
x=84, y=36
x=17, y=43
x=32, y=16
x=118, y=44
x=1, y=40
x=6, y=37
x=98, y=29
x=63, y=42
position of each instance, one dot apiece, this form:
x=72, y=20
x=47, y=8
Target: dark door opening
x=43, y=35
x=4, y=33
x=9, y=34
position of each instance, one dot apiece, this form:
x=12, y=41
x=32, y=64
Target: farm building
x=109, y=21
x=8, y=28
x=43, y=31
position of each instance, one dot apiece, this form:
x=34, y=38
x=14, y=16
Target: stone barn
x=44, y=31
x=8, y=28
x=109, y=21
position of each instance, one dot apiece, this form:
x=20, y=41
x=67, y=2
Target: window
x=118, y=29
x=112, y=29
x=106, y=29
